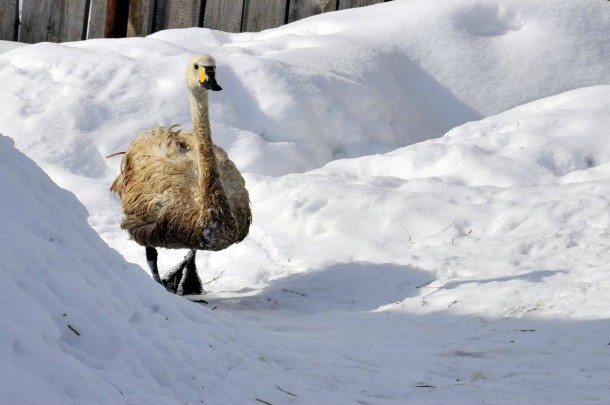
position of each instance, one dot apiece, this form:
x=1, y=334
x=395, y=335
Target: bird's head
x=201, y=74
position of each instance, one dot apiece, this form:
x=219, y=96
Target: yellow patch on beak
x=202, y=76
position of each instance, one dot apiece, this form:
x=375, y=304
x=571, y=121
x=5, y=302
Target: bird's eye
x=196, y=66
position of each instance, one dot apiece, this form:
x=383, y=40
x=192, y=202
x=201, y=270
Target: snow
x=429, y=185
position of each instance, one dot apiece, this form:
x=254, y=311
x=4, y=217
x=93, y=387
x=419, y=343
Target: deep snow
x=387, y=262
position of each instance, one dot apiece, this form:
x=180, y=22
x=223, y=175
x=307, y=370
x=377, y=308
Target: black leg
x=190, y=284
x=151, y=259
x=171, y=280
x=183, y=278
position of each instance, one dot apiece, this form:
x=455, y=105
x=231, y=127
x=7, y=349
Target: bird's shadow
x=359, y=286
x=354, y=286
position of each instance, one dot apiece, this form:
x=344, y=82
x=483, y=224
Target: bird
x=180, y=191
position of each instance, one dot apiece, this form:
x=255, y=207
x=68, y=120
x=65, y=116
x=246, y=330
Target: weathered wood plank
x=224, y=15
x=97, y=21
x=108, y=19
x=9, y=19
x=34, y=20
x=70, y=20
x=300, y=9
x=139, y=23
x=263, y=14
x=53, y=21
x=328, y=5
x=160, y=15
x=184, y=13
x=344, y=4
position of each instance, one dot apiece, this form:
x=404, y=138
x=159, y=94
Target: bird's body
x=163, y=204
x=179, y=190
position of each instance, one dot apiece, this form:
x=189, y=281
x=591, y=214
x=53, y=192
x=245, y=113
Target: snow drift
x=79, y=324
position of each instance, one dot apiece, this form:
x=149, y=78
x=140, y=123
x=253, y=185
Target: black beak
x=210, y=81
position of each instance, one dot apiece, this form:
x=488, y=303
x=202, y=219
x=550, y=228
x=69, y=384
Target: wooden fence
x=74, y=20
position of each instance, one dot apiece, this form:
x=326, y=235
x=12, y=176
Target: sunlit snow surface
x=404, y=250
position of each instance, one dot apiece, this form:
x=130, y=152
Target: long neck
x=208, y=172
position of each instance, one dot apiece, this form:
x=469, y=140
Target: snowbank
x=6, y=46
x=338, y=85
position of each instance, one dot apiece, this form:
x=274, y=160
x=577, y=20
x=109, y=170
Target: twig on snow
x=294, y=292
x=409, y=235
x=73, y=330
x=449, y=226
x=115, y=154
x=263, y=402
x=427, y=284
x=283, y=390
x=215, y=278
x=117, y=389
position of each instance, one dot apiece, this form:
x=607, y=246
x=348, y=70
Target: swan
x=179, y=190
